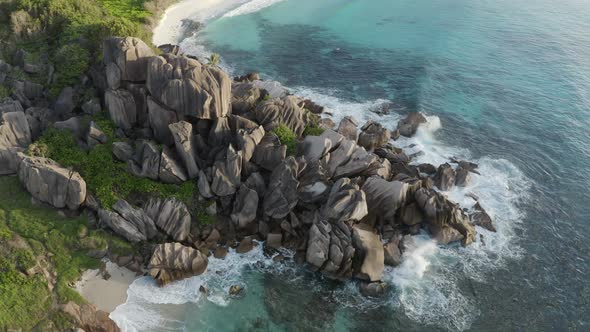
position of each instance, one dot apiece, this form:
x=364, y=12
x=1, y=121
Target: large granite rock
x=330, y=250
x=245, y=207
x=373, y=135
x=48, y=182
x=369, y=257
x=245, y=97
x=10, y=105
x=160, y=119
x=170, y=170
x=171, y=216
x=127, y=58
x=269, y=153
x=384, y=198
x=313, y=148
x=281, y=196
x=227, y=173
x=248, y=140
x=446, y=220
x=15, y=136
x=346, y=202
x=189, y=87
x=348, y=128
x=284, y=111
x=131, y=223
x=445, y=177
x=173, y=261
x=183, y=139
x=409, y=125
x=121, y=107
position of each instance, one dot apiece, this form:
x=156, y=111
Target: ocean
x=504, y=83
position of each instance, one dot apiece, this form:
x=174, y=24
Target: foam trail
x=251, y=7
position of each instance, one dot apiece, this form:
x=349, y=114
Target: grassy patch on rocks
x=286, y=137
x=106, y=178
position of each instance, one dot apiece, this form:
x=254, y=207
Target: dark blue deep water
x=506, y=83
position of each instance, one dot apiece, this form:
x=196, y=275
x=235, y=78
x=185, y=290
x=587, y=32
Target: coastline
x=107, y=288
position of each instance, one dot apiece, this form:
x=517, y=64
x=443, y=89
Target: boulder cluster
x=344, y=201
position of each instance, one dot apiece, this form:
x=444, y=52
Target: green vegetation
x=4, y=92
x=214, y=59
x=31, y=234
x=287, y=137
x=313, y=130
x=105, y=177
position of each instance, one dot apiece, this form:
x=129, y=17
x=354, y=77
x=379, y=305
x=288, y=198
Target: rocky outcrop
x=245, y=207
x=373, y=135
x=183, y=139
x=227, y=173
x=445, y=177
x=15, y=136
x=281, y=196
x=481, y=218
x=284, y=111
x=188, y=87
x=248, y=140
x=384, y=198
x=269, y=153
x=131, y=223
x=346, y=202
x=48, y=182
x=160, y=119
x=330, y=250
x=409, y=125
x=173, y=261
x=170, y=170
x=245, y=97
x=348, y=128
x=121, y=107
x=369, y=257
x=126, y=59
x=445, y=219
x=89, y=318
x=171, y=216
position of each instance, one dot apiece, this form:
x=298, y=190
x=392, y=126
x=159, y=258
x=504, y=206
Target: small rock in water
x=245, y=245
x=373, y=289
x=203, y=290
x=236, y=290
x=220, y=253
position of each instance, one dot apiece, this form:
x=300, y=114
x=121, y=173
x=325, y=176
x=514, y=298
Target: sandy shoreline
x=106, y=295
x=169, y=29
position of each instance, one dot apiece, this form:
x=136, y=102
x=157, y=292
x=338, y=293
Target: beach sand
x=169, y=30
x=106, y=295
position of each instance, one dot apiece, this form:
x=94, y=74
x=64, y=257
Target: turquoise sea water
x=505, y=83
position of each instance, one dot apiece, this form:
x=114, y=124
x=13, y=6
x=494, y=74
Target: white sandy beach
x=106, y=295
x=169, y=29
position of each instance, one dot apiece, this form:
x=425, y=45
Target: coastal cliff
x=170, y=155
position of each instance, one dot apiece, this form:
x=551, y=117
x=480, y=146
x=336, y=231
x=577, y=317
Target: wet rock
x=245, y=245
x=171, y=216
x=445, y=177
x=188, y=87
x=481, y=218
x=411, y=215
x=220, y=252
x=391, y=251
x=122, y=108
x=173, y=261
x=373, y=289
x=369, y=256
x=236, y=290
x=284, y=111
x=281, y=196
x=348, y=128
x=427, y=168
x=274, y=240
x=48, y=182
x=373, y=135
x=409, y=125
x=182, y=132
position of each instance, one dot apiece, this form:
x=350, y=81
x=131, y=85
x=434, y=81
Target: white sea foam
x=142, y=310
x=251, y=7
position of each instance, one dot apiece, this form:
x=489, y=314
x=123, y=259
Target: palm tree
x=214, y=59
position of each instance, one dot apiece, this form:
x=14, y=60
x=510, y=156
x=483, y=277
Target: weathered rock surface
x=15, y=136
x=384, y=198
x=269, y=153
x=123, y=151
x=170, y=170
x=245, y=207
x=369, y=256
x=391, y=251
x=373, y=135
x=284, y=111
x=89, y=318
x=121, y=107
x=183, y=139
x=131, y=223
x=445, y=177
x=245, y=97
x=248, y=140
x=160, y=119
x=188, y=87
x=330, y=250
x=409, y=125
x=281, y=196
x=313, y=148
x=481, y=218
x=171, y=216
x=173, y=261
x=48, y=182
x=349, y=128
x=346, y=202
x=129, y=55
x=227, y=173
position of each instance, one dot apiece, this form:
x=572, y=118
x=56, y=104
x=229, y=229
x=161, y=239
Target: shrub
x=313, y=130
x=287, y=137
